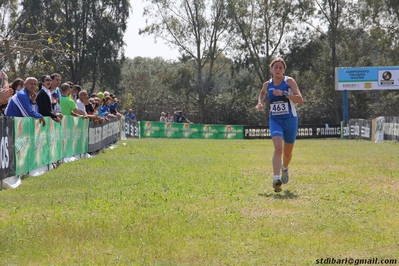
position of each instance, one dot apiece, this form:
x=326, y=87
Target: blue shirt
x=20, y=106
x=104, y=110
x=280, y=106
x=112, y=108
x=131, y=116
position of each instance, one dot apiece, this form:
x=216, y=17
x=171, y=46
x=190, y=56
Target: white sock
x=276, y=177
x=284, y=168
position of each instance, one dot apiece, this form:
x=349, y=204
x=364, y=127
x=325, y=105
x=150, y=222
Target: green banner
x=37, y=145
x=74, y=136
x=41, y=151
x=55, y=144
x=24, y=144
x=149, y=129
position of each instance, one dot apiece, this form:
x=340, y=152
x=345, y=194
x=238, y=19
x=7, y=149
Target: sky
x=140, y=45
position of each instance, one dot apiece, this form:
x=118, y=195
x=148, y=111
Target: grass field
x=207, y=202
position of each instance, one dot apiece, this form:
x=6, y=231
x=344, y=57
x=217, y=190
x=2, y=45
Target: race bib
x=279, y=108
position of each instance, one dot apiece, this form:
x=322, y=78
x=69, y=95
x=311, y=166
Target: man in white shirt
x=79, y=102
x=81, y=105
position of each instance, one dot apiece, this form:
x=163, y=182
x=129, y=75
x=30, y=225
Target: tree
x=143, y=87
x=263, y=30
x=98, y=46
x=381, y=19
x=336, y=15
x=89, y=32
x=198, y=29
x=23, y=42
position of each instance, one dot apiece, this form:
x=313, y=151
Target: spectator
x=55, y=84
x=44, y=100
x=6, y=92
x=96, y=107
x=5, y=89
x=114, y=106
x=100, y=95
x=17, y=85
x=89, y=107
x=92, y=107
x=169, y=117
x=105, y=108
x=131, y=115
x=4, y=80
x=162, y=118
x=79, y=103
x=68, y=106
x=84, y=105
x=55, y=102
x=75, y=92
x=23, y=103
x=55, y=92
x=180, y=118
x=72, y=95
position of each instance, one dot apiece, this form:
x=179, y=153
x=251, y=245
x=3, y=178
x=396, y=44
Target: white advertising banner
x=367, y=78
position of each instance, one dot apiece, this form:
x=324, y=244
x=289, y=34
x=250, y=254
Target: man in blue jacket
x=23, y=103
x=180, y=118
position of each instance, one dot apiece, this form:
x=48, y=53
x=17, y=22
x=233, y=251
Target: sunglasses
x=48, y=80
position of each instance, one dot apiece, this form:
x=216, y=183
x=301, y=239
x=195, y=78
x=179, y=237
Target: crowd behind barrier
x=26, y=145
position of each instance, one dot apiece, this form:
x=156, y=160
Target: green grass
x=207, y=202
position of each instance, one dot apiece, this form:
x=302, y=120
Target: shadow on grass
x=286, y=194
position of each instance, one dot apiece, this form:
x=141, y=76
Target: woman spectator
x=169, y=117
x=17, y=85
x=44, y=99
x=162, y=118
x=113, y=108
x=105, y=108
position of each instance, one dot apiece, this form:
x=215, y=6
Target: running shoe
x=284, y=175
x=277, y=185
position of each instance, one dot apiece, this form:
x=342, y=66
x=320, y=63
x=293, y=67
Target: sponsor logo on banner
x=350, y=85
x=206, y=131
x=5, y=155
x=149, y=129
x=368, y=85
x=186, y=130
x=7, y=147
x=230, y=133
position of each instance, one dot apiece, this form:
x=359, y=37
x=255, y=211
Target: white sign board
x=367, y=78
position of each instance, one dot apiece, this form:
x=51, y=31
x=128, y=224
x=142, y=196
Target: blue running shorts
x=284, y=127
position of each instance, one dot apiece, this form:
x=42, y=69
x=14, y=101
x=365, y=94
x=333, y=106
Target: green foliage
x=148, y=83
x=226, y=48
x=82, y=40
x=192, y=202
x=200, y=31
x=262, y=31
